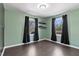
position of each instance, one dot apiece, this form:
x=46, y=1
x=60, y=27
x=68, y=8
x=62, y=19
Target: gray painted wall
x=1, y=27
x=14, y=26
x=73, y=28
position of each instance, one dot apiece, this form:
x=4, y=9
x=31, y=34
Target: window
x=58, y=25
x=31, y=25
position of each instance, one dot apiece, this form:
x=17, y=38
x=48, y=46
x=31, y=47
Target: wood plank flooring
x=42, y=48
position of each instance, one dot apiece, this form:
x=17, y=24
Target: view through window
x=58, y=25
x=31, y=28
x=58, y=28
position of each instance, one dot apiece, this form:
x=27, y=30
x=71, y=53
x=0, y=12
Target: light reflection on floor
x=57, y=51
x=32, y=51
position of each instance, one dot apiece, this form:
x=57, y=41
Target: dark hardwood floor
x=42, y=48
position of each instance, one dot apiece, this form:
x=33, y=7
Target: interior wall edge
x=3, y=51
x=65, y=44
x=16, y=19
x=1, y=28
x=39, y=41
x=63, y=13
x=73, y=17
x=22, y=44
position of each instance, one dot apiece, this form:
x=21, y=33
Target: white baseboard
x=18, y=45
x=64, y=44
x=13, y=45
x=21, y=44
x=3, y=52
x=38, y=41
x=34, y=42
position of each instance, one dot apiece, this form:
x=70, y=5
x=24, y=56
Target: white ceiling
x=53, y=8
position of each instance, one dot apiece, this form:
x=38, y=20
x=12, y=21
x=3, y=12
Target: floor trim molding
x=13, y=45
x=36, y=41
x=19, y=45
x=65, y=44
x=2, y=51
x=22, y=44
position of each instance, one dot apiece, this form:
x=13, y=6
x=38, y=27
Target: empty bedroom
x=39, y=29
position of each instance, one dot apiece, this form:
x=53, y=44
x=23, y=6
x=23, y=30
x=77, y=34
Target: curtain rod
x=31, y=17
